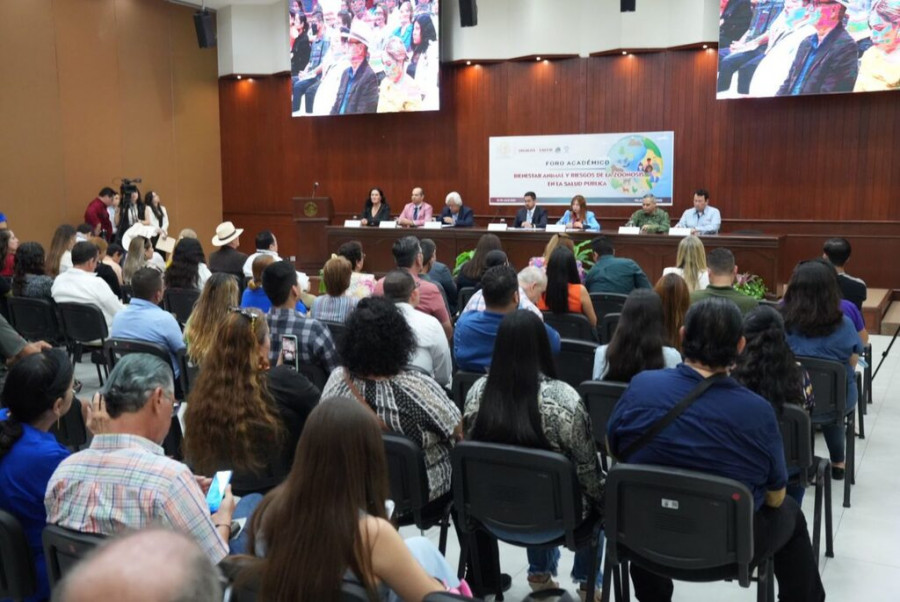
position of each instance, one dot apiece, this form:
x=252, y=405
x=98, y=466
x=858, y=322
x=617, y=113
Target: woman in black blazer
x=376, y=210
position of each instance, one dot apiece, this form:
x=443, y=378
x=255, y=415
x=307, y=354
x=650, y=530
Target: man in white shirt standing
x=81, y=285
x=432, y=354
x=702, y=219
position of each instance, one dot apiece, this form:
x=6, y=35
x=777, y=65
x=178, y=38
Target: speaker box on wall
x=206, y=29
x=628, y=6
x=468, y=13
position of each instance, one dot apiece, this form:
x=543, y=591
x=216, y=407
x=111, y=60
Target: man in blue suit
x=531, y=216
x=455, y=213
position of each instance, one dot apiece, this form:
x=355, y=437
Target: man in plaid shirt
x=314, y=343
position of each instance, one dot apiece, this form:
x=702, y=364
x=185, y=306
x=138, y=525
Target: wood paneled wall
x=810, y=165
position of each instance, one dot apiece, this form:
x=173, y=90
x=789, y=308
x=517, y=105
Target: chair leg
x=849, y=453
x=592, y=569
x=626, y=583
x=463, y=553
x=860, y=407
x=445, y=526
x=99, y=375
x=817, y=513
x=608, y=569
x=829, y=517
x=852, y=458
x=770, y=580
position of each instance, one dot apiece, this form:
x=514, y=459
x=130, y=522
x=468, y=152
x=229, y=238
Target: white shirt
x=302, y=278
x=671, y=359
x=703, y=277
x=203, y=275
x=78, y=286
x=432, y=350
x=151, y=217
x=65, y=262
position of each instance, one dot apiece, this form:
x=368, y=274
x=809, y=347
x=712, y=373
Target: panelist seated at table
x=376, y=209
x=702, y=219
x=577, y=217
x=651, y=219
x=531, y=216
x=416, y=212
x=455, y=213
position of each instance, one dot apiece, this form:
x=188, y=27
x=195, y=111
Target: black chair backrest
x=829, y=383
x=338, y=331
x=115, y=349
x=673, y=521
x=315, y=374
x=463, y=296
x=600, y=398
x=796, y=434
x=17, y=575
x=82, y=322
x=607, y=327
x=189, y=373
x=35, y=319
x=575, y=362
x=459, y=388
x=63, y=548
x=70, y=429
x=406, y=469
x=571, y=326
x=180, y=302
x=607, y=303
x=354, y=592
x=515, y=489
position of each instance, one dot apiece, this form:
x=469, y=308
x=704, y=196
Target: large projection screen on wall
x=802, y=47
x=373, y=58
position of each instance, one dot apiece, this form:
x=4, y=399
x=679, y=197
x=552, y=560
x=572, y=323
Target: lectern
x=311, y=216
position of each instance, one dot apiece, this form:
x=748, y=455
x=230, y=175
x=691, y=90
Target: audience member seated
x=172, y=567
x=188, y=269
x=327, y=523
x=471, y=271
x=473, y=342
x=408, y=256
x=9, y=244
x=557, y=240
x=520, y=402
x=361, y=285
x=847, y=307
x=816, y=327
x=638, y=343
x=83, y=232
x=532, y=284
x=314, y=342
x=722, y=272
x=611, y=274
x=37, y=392
x=103, y=271
x=200, y=333
x=13, y=347
x=406, y=401
x=139, y=230
x=577, y=216
x=837, y=251
x=144, y=320
x=114, y=255
x=29, y=279
x=254, y=295
x=136, y=258
x=124, y=481
x=227, y=258
x=334, y=305
x=438, y=273
x=728, y=431
x=676, y=299
x=455, y=213
x=81, y=284
x=59, y=258
x=565, y=293
x=691, y=263
x=236, y=419
x=432, y=352
x=376, y=209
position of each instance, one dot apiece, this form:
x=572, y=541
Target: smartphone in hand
x=289, y=351
x=217, y=490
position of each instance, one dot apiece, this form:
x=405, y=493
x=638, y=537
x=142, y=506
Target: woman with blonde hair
x=334, y=305
x=556, y=240
x=201, y=331
x=691, y=263
x=138, y=250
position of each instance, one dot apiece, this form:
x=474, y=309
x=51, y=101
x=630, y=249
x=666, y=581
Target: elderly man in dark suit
x=455, y=213
x=358, y=91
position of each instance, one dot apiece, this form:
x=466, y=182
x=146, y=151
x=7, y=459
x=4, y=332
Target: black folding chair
x=575, y=362
x=35, y=319
x=829, y=382
x=338, y=331
x=63, y=548
x=600, y=398
x=861, y=409
x=683, y=525
x=463, y=296
x=867, y=372
x=459, y=388
x=409, y=488
x=571, y=326
x=84, y=325
x=180, y=302
x=607, y=303
x=520, y=491
x=606, y=327
x=71, y=430
x=18, y=579
x=314, y=373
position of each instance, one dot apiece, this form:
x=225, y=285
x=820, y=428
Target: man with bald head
x=172, y=568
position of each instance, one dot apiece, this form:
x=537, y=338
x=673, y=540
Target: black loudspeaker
x=468, y=13
x=628, y=6
x=206, y=29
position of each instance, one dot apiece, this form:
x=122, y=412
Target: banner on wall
x=606, y=169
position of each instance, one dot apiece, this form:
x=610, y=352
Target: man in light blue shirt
x=144, y=320
x=702, y=219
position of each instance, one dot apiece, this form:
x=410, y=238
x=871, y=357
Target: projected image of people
x=799, y=47
x=358, y=56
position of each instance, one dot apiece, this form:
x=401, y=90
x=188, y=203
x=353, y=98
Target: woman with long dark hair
x=187, y=266
x=59, y=258
x=676, y=300
x=565, y=293
x=557, y=240
x=155, y=213
x=29, y=279
x=9, y=244
x=816, y=327
x=521, y=403
x=471, y=272
x=327, y=523
x=376, y=209
x=638, y=343
x=424, y=43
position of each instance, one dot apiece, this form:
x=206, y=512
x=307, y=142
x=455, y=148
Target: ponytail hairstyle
x=32, y=387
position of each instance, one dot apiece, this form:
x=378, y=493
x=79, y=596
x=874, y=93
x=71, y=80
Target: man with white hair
x=532, y=284
x=455, y=213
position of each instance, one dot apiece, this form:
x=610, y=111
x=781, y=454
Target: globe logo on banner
x=636, y=165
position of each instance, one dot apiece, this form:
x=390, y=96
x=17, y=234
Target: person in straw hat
x=227, y=259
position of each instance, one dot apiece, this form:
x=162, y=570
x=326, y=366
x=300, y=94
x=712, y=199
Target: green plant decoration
x=461, y=259
x=751, y=285
x=585, y=254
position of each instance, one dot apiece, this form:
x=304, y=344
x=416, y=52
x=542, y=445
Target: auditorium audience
x=188, y=269
x=397, y=91
x=691, y=263
x=361, y=284
x=265, y=245
x=424, y=61
x=565, y=293
x=557, y=240
x=328, y=524
x=29, y=279
x=473, y=342
x=106, y=273
x=728, y=431
x=638, y=342
x=376, y=209
x=532, y=284
x=9, y=244
x=611, y=274
x=358, y=88
x=81, y=285
x=438, y=273
x=83, y=232
x=455, y=213
x=217, y=297
x=227, y=258
x=676, y=299
x=471, y=271
x=577, y=216
x=334, y=305
x=847, y=307
x=878, y=69
x=59, y=258
x=255, y=296
x=837, y=251
x=722, y=273
x=816, y=327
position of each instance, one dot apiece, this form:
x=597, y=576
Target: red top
x=8, y=264
x=96, y=213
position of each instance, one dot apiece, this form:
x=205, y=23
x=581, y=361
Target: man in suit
x=227, y=259
x=455, y=213
x=734, y=22
x=358, y=91
x=531, y=216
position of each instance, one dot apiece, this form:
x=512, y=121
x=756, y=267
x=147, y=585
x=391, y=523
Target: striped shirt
x=333, y=309
x=126, y=482
x=314, y=342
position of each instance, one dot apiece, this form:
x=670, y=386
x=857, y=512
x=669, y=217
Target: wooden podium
x=311, y=216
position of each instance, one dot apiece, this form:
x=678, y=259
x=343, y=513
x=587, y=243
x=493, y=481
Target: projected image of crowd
x=363, y=56
x=795, y=47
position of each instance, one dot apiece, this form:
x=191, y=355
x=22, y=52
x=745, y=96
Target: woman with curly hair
x=691, y=263
x=59, y=258
x=374, y=373
x=242, y=416
x=471, y=272
x=219, y=294
x=188, y=269
x=29, y=279
x=676, y=299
